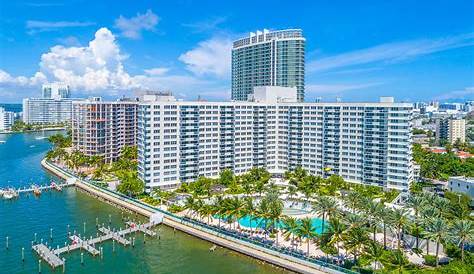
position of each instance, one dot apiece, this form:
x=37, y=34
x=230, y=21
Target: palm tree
x=276, y=210
x=399, y=219
x=383, y=216
x=249, y=209
x=290, y=228
x=235, y=210
x=355, y=220
x=396, y=260
x=306, y=231
x=428, y=214
x=189, y=204
x=355, y=240
x=462, y=232
x=374, y=252
x=292, y=191
x=437, y=231
x=416, y=203
x=336, y=231
x=353, y=200
x=372, y=211
x=324, y=206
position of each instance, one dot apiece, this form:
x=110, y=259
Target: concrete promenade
x=249, y=249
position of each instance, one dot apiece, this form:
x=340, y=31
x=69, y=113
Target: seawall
x=246, y=248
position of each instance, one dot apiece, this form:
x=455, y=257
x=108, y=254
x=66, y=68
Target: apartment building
x=268, y=58
x=7, y=118
x=178, y=141
x=56, y=91
x=46, y=110
x=104, y=128
x=451, y=129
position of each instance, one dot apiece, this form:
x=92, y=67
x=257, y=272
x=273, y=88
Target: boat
x=36, y=190
x=10, y=194
x=2, y=142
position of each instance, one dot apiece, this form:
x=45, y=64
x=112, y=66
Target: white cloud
x=210, y=57
x=96, y=66
x=318, y=89
x=98, y=69
x=7, y=80
x=466, y=93
x=391, y=52
x=40, y=26
x=156, y=71
x=132, y=27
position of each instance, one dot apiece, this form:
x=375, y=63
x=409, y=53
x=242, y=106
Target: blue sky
x=356, y=50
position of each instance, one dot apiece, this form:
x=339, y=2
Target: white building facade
x=362, y=142
x=46, y=111
x=7, y=118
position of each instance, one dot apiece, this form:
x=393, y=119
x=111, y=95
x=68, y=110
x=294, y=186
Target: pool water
x=247, y=221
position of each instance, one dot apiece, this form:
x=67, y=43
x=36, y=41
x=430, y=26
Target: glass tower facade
x=268, y=59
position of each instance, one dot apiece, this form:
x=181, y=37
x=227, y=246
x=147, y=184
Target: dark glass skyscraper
x=268, y=58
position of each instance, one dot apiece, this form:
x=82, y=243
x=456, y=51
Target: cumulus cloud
x=8, y=80
x=210, y=57
x=133, y=27
x=96, y=66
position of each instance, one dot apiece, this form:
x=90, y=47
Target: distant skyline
x=412, y=50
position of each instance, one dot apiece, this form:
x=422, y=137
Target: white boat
x=10, y=194
x=2, y=142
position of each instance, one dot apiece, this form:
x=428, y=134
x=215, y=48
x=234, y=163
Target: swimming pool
x=258, y=223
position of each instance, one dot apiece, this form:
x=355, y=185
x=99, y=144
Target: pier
x=52, y=256
x=44, y=187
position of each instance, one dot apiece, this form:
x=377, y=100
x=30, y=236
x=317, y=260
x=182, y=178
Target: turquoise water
x=247, y=221
x=174, y=252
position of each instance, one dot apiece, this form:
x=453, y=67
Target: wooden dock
x=52, y=256
x=41, y=188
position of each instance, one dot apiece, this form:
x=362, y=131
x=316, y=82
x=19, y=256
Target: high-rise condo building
x=104, y=128
x=7, y=119
x=368, y=143
x=46, y=111
x=451, y=130
x=56, y=91
x=268, y=58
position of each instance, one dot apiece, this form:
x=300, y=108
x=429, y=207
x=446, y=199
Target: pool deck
x=249, y=249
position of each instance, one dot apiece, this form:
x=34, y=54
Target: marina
x=53, y=256
x=29, y=218
x=11, y=193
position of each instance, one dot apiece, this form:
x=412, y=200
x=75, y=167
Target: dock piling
x=22, y=254
x=82, y=258
x=7, y=243
x=39, y=266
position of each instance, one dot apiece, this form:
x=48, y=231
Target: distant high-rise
x=56, y=91
x=268, y=58
x=451, y=130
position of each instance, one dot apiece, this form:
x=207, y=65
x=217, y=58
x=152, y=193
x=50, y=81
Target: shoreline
x=245, y=248
x=33, y=131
